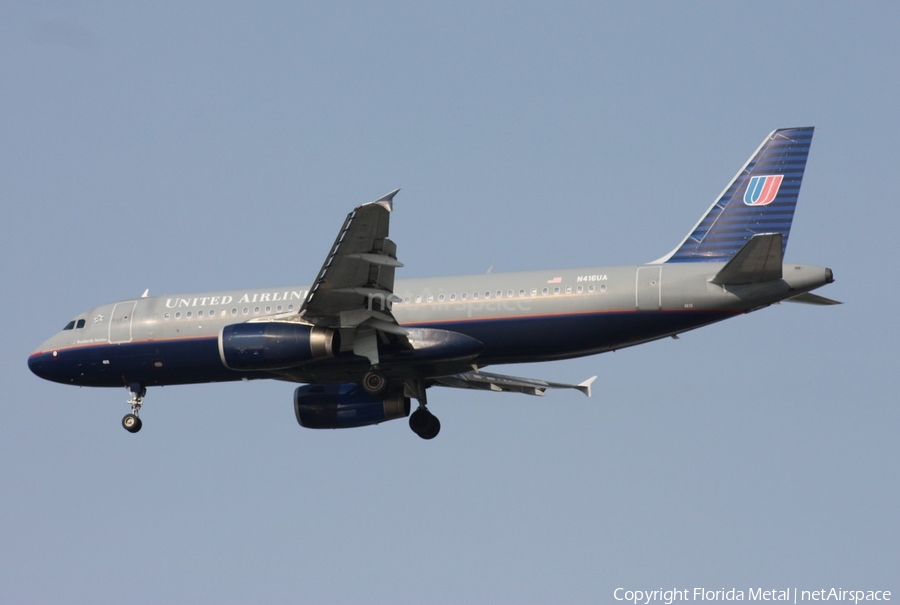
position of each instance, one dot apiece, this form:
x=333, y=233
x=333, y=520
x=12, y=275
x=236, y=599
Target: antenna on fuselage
x=146, y=293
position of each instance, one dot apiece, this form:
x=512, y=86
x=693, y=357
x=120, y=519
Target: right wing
x=486, y=381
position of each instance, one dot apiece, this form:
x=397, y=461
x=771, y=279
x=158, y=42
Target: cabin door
x=120, y=322
x=647, y=294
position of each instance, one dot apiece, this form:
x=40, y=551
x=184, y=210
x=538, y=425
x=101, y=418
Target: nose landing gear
x=132, y=422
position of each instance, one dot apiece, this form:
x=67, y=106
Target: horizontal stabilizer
x=813, y=299
x=758, y=261
x=509, y=384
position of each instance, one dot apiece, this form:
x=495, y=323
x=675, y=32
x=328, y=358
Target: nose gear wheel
x=132, y=422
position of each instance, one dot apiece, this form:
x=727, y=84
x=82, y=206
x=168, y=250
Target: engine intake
x=275, y=345
x=344, y=406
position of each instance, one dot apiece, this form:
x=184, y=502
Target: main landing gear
x=132, y=422
x=422, y=422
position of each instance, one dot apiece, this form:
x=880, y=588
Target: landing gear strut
x=132, y=422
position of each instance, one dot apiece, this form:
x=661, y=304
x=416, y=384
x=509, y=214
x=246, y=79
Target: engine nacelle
x=344, y=406
x=275, y=345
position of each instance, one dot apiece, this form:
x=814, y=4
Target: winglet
x=388, y=200
x=585, y=387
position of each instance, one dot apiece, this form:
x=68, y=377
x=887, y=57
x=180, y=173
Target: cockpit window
x=80, y=324
x=75, y=324
x=70, y=325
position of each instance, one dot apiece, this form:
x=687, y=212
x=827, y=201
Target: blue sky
x=219, y=145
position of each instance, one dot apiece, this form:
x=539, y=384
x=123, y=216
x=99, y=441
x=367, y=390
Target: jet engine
x=344, y=406
x=275, y=345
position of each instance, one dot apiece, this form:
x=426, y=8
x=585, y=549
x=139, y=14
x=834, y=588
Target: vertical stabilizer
x=760, y=199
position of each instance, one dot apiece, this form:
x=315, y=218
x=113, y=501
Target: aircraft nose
x=40, y=363
x=36, y=363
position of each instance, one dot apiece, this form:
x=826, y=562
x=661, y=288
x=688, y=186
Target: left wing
x=355, y=287
x=486, y=381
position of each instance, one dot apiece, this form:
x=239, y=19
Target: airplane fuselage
x=365, y=344
x=518, y=317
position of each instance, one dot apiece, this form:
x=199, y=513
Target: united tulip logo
x=762, y=190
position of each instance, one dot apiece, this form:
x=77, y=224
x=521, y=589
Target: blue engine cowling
x=344, y=406
x=274, y=345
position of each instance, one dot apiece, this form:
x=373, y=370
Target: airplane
x=363, y=345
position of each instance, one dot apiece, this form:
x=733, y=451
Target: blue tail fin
x=760, y=199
